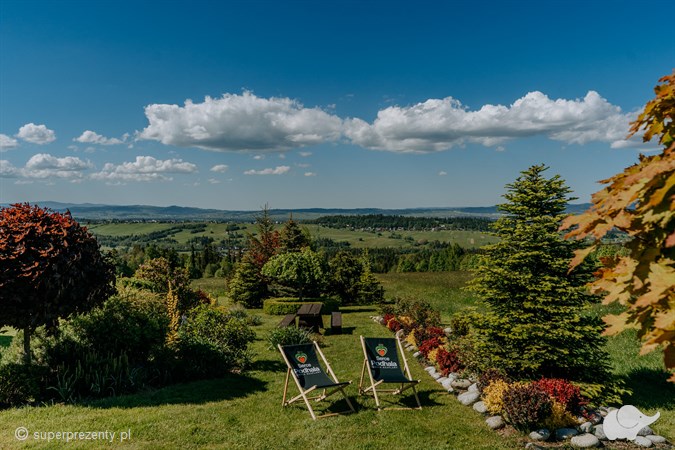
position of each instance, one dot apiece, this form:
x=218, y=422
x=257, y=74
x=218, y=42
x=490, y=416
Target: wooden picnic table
x=309, y=316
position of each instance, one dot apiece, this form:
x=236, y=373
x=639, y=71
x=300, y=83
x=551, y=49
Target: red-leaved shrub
x=563, y=391
x=526, y=406
x=394, y=325
x=428, y=345
x=448, y=361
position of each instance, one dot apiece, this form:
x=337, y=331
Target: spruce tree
x=292, y=238
x=539, y=323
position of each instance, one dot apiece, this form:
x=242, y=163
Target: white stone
x=480, y=407
x=656, y=439
x=586, y=427
x=447, y=330
x=646, y=431
x=447, y=384
x=474, y=388
x=430, y=369
x=416, y=355
x=468, y=398
x=540, y=435
x=495, y=422
x=400, y=334
x=643, y=442
x=435, y=375
x=461, y=384
x=585, y=440
x=599, y=432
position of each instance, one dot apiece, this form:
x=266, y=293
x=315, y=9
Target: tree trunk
x=26, y=346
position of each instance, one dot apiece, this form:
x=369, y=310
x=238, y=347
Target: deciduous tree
x=640, y=201
x=50, y=268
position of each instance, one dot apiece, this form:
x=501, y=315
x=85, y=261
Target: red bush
x=448, y=361
x=428, y=345
x=563, y=391
x=388, y=317
x=423, y=334
x=394, y=325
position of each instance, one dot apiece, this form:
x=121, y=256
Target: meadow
x=244, y=410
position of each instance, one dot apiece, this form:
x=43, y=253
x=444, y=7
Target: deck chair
x=303, y=364
x=381, y=359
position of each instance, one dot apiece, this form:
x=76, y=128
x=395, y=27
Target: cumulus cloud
x=305, y=154
x=144, y=168
x=214, y=181
x=220, y=168
x=310, y=174
x=44, y=165
x=240, y=123
x=440, y=124
x=36, y=134
x=279, y=170
x=91, y=137
x=442, y=173
x=7, y=142
x=7, y=170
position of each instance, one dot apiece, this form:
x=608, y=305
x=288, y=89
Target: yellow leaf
x=579, y=256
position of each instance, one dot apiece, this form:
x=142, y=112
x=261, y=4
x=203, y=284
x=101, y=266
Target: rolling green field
x=357, y=239
x=244, y=411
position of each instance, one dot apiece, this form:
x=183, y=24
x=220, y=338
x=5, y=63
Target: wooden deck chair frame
x=373, y=387
x=324, y=391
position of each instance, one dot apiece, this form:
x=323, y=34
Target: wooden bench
x=336, y=322
x=289, y=319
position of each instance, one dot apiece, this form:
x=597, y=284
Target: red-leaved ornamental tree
x=50, y=268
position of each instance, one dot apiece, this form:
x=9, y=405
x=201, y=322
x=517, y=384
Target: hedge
x=290, y=305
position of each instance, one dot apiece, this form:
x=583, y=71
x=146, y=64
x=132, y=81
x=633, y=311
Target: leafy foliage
x=50, y=268
x=247, y=286
x=640, y=201
x=300, y=272
x=536, y=325
x=448, y=361
x=493, y=395
x=526, y=405
x=20, y=383
x=564, y=392
x=288, y=336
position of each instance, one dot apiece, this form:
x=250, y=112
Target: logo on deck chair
x=301, y=357
x=381, y=350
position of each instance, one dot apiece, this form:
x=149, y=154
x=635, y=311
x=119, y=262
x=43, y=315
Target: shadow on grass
x=650, y=389
x=357, y=309
x=269, y=365
x=227, y=388
x=345, y=330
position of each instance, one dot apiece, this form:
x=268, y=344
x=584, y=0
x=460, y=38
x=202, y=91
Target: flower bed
x=550, y=409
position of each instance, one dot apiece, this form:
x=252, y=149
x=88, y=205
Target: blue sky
x=386, y=104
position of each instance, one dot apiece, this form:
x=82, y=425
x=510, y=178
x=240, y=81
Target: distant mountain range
x=90, y=211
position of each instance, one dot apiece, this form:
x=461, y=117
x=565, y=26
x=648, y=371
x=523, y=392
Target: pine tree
x=292, y=238
x=538, y=323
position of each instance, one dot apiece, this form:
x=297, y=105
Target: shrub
x=410, y=339
x=560, y=417
x=563, y=392
x=394, y=325
x=428, y=345
x=423, y=334
x=280, y=306
x=490, y=375
x=212, y=342
x=493, y=396
x=448, y=361
x=288, y=336
x=526, y=406
x=21, y=384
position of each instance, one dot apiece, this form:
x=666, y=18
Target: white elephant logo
x=626, y=423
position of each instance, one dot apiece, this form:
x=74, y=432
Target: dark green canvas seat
x=304, y=366
x=381, y=358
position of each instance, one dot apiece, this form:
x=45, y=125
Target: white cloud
x=259, y=157
x=144, y=168
x=240, y=123
x=303, y=165
x=214, y=181
x=442, y=173
x=91, y=137
x=282, y=156
x=44, y=166
x=310, y=174
x=220, y=168
x=7, y=170
x=440, y=124
x=36, y=134
x=305, y=154
x=7, y=142
x=279, y=170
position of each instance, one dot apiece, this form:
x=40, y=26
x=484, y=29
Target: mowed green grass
x=244, y=411
x=357, y=239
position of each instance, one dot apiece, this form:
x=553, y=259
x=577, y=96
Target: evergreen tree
x=292, y=238
x=266, y=244
x=247, y=285
x=538, y=325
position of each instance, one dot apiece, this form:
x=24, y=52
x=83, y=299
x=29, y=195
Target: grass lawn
x=244, y=411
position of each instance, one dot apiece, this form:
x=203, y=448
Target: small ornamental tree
x=537, y=326
x=292, y=238
x=301, y=272
x=345, y=274
x=50, y=268
x=640, y=201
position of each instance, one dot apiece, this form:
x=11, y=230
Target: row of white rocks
x=587, y=435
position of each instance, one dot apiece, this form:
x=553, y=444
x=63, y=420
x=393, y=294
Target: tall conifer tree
x=538, y=323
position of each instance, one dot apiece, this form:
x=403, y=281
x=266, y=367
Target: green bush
x=21, y=384
x=213, y=342
x=288, y=336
